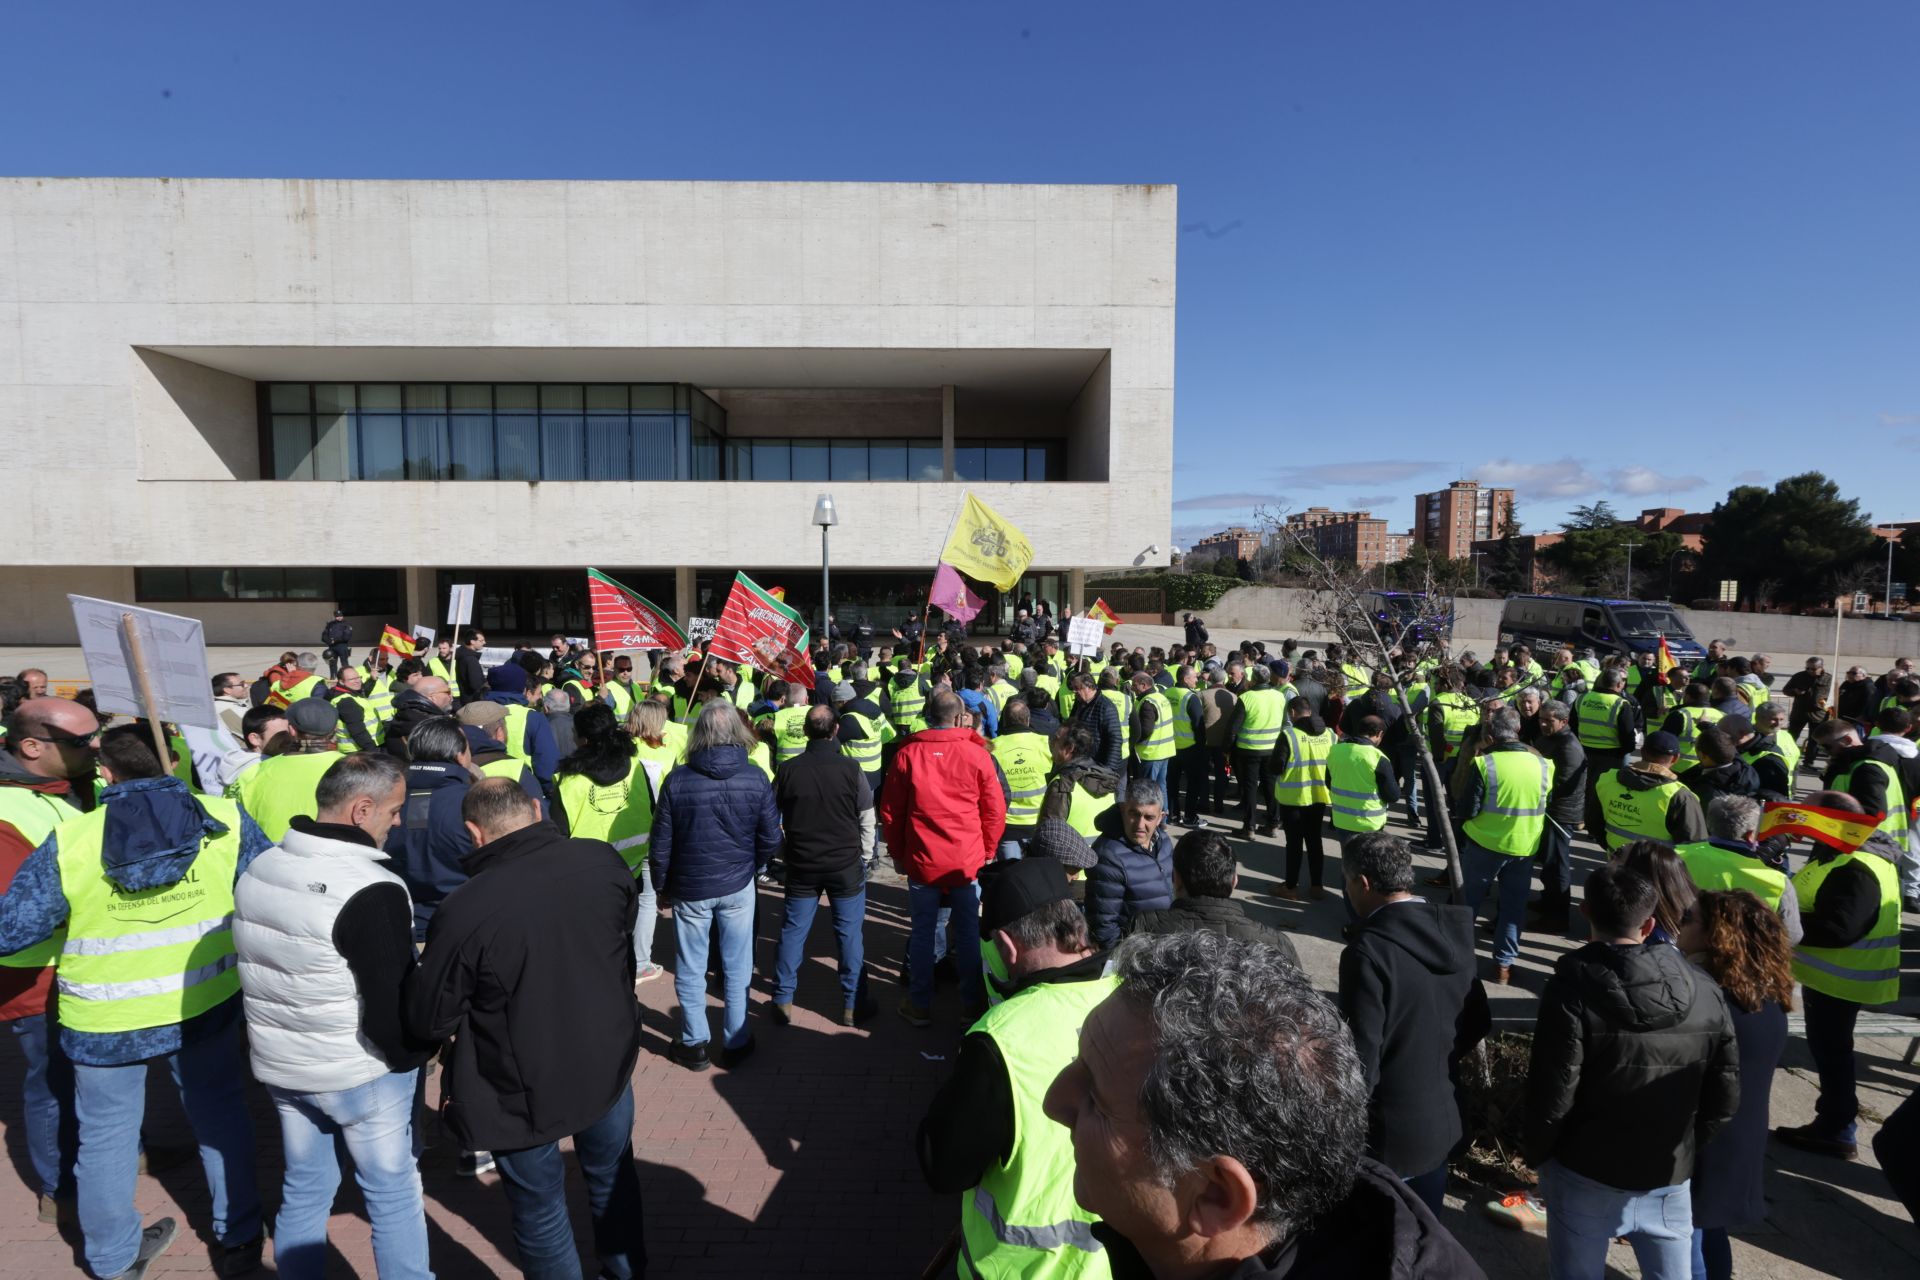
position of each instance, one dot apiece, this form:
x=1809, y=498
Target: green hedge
x=1195, y=591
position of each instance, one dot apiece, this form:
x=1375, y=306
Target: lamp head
x=823, y=513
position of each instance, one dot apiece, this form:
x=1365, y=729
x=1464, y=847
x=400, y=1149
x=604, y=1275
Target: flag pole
x=693, y=694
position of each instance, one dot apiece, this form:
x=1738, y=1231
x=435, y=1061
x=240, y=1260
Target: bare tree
x=1419, y=624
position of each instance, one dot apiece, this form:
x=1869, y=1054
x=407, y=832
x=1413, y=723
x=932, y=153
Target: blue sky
x=1639, y=251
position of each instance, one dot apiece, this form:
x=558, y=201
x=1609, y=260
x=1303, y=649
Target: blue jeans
x=1154, y=771
x=1583, y=1217
x=1830, y=1023
x=1482, y=867
x=535, y=1181
x=692, y=923
x=1013, y=844
x=376, y=1121
x=46, y=1094
x=926, y=903
x=646, y=922
x=849, y=913
x=112, y=1101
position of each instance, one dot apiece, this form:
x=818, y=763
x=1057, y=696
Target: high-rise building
x=1239, y=542
x=1449, y=521
x=1357, y=537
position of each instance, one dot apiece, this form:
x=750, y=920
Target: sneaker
x=855, y=1014
x=782, y=1013
x=1521, y=1211
x=1269, y=831
x=1286, y=893
x=913, y=1013
x=731, y=1059
x=647, y=974
x=474, y=1163
x=691, y=1056
x=153, y=1242
x=1806, y=1138
x=242, y=1259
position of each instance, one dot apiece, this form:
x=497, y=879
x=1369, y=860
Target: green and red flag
x=757, y=629
x=625, y=619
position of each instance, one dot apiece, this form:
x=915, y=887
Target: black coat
x=822, y=793
x=1408, y=990
x=1099, y=715
x=1225, y=916
x=1730, y=1172
x=529, y=969
x=472, y=676
x=1634, y=1066
x=409, y=709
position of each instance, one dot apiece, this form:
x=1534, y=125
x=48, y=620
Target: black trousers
x=1255, y=771
x=1303, y=825
x=1187, y=782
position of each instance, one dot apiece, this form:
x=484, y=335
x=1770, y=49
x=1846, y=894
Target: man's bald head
x=434, y=690
x=34, y=681
x=50, y=737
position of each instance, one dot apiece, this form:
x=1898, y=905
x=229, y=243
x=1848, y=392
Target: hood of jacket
x=1640, y=988
x=1637, y=778
x=1437, y=935
x=1094, y=779
x=153, y=832
x=719, y=762
x=1737, y=777
x=14, y=774
x=1905, y=748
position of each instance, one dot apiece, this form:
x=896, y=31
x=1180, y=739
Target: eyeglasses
x=80, y=742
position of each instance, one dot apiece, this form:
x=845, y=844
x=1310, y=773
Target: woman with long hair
x=656, y=736
x=1744, y=946
x=1675, y=907
x=605, y=791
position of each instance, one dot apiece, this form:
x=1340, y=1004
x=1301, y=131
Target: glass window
x=887, y=460
x=517, y=440
x=471, y=437
x=653, y=446
x=333, y=453
x=849, y=460
x=308, y=584
x=772, y=460
x=810, y=460
x=1006, y=462
x=706, y=454
x=515, y=395
x=427, y=453
x=288, y=397
x=160, y=584
x=472, y=397
x=969, y=462
x=1036, y=462
x=560, y=397
x=211, y=584
x=923, y=460
x=426, y=395
x=706, y=409
x=608, y=446
x=374, y=592
x=739, y=460
x=602, y=398
x=563, y=447
x=261, y=584
x=333, y=397
x=380, y=396
x=292, y=447
x=653, y=397
x=382, y=456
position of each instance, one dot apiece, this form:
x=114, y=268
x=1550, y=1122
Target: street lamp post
x=826, y=517
x=1630, y=546
x=1886, y=601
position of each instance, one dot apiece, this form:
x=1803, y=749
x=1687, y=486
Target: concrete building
x=1238, y=542
x=1449, y=521
x=247, y=400
x=1357, y=537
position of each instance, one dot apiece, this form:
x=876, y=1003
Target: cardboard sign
x=176, y=659
x=460, y=605
x=1084, y=636
x=700, y=630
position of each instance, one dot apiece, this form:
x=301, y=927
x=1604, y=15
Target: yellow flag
x=986, y=547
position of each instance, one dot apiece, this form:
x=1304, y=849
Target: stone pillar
x=946, y=432
x=420, y=597
x=1076, y=589
x=684, y=601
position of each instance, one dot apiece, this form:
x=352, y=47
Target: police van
x=1545, y=623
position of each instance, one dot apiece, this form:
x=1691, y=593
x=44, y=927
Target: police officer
x=336, y=639
x=1026, y=760
x=1258, y=719
x=985, y=1137
x=1504, y=814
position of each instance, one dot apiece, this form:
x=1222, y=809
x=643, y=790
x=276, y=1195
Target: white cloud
x=1229, y=501
x=1567, y=478
x=1365, y=471
x=1640, y=481
x=1374, y=501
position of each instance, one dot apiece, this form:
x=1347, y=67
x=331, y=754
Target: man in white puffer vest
x=324, y=934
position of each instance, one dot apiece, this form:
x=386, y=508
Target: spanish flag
x=1834, y=827
x=984, y=546
x=1102, y=610
x=1665, y=662
x=398, y=643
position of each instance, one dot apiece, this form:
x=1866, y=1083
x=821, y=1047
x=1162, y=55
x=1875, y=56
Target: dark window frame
x=144, y=591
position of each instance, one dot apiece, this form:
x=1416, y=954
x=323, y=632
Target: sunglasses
x=80, y=742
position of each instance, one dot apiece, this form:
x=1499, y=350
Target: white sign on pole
x=1084, y=636
x=460, y=605
x=425, y=636
x=1861, y=602
x=700, y=630
x=176, y=654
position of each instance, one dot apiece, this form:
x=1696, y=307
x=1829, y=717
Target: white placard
x=176, y=653
x=579, y=642
x=426, y=636
x=700, y=630
x=491, y=657
x=460, y=605
x=1085, y=636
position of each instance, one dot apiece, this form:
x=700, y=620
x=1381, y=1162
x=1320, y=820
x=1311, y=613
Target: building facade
x=1238, y=542
x=1449, y=521
x=263, y=398
x=1356, y=537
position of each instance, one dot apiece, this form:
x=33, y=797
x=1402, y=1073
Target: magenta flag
x=951, y=597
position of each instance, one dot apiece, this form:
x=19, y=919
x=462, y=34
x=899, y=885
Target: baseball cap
x=481, y=715
x=313, y=716
x=1661, y=743
x=1020, y=888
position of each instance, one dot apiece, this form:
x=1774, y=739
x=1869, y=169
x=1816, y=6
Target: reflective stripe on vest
x=1025, y=1209
x=1896, y=819
x=1868, y=972
x=1458, y=715
x=1122, y=708
x=1514, y=816
x=116, y=971
x=1159, y=743
x=1599, y=715
x=1356, y=804
x=1714, y=868
x=1635, y=815
x=282, y=788
x=620, y=814
x=906, y=706
x=789, y=733
x=369, y=720
x=620, y=698
x=1304, y=781
x=865, y=749
x=34, y=814
x=445, y=668
x=1691, y=720
x=1262, y=716
x=1026, y=758
x=1181, y=700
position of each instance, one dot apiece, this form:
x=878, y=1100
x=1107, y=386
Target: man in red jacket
x=943, y=810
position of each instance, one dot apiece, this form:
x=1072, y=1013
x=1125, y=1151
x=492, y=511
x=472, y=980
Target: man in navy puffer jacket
x=715, y=827
x=1134, y=871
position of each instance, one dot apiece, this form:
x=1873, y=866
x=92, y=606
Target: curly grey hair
x=1249, y=1062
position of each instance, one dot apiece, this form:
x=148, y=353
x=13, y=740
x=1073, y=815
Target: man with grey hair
x=1133, y=867
x=324, y=935
x=1503, y=812
x=1219, y=1116
x=558, y=709
x=1732, y=857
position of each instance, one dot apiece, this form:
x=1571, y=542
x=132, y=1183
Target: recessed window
x=360, y=592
